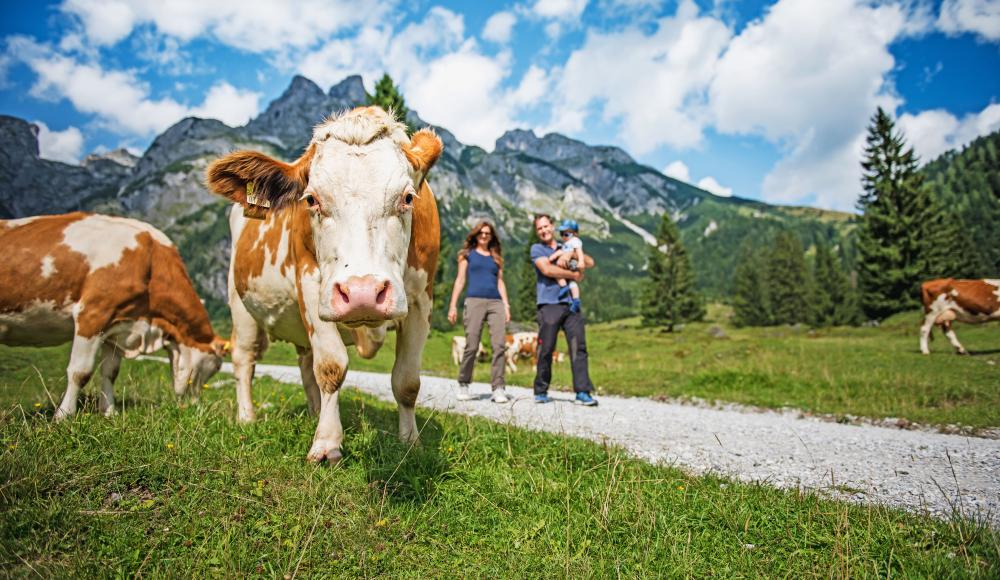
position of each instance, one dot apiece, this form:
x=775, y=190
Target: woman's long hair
x=494, y=246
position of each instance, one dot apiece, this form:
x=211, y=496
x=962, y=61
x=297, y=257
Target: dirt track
x=924, y=472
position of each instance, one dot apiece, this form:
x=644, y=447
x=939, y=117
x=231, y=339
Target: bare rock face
x=30, y=185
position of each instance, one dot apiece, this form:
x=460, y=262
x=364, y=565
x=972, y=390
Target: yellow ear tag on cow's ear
x=257, y=205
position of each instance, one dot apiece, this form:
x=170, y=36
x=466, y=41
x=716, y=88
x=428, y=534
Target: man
x=554, y=313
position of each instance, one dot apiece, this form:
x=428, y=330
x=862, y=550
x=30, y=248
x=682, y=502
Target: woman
x=481, y=261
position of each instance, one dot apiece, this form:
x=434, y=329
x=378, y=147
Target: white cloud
x=811, y=87
x=931, y=133
x=229, y=105
x=65, y=145
x=981, y=17
x=459, y=91
x=258, y=26
x=119, y=99
x=443, y=75
x=678, y=170
x=568, y=10
x=654, y=82
x=710, y=185
x=499, y=26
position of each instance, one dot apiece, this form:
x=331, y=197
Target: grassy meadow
x=870, y=372
x=168, y=490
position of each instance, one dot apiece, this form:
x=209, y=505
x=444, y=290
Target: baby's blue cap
x=569, y=225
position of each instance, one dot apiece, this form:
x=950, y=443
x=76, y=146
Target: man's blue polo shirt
x=546, y=289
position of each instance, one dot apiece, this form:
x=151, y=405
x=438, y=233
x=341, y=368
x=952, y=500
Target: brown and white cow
x=458, y=350
x=114, y=287
x=349, y=245
x=947, y=300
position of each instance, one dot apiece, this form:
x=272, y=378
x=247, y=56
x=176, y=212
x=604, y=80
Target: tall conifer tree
x=388, y=97
x=834, y=303
x=670, y=297
x=751, y=302
x=788, y=280
x=898, y=213
x=523, y=305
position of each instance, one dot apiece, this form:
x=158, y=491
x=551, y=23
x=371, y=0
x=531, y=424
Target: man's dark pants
x=552, y=317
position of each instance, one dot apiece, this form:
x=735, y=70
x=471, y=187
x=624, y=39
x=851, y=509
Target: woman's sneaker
x=585, y=399
x=499, y=396
x=463, y=392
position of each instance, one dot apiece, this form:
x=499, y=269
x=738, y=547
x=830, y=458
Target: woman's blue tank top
x=482, y=272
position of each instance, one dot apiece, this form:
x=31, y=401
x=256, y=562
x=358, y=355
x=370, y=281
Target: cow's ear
x=425, y=148
x=259, y=182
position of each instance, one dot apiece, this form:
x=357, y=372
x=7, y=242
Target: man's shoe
x=463, y=392
x=574, y=305
x=499, y=396
x=585, y=399
x=542, y=399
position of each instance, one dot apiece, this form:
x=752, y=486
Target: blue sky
x=766, y=100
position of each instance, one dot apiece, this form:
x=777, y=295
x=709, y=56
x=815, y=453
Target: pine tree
x=523, y=302
x=751, y=302
x=388, y=97
x=788, y=281
x=894, y=232
x=444, y=280
x=670, y=297
x=834, y=302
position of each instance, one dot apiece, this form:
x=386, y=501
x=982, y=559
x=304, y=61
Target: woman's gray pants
x=478, y=310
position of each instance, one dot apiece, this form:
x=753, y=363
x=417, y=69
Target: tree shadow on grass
x=400, y=472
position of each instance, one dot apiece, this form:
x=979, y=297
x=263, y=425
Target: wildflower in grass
x=38, y=405
x=680, y=488
x=381, y=523
x=170, y=445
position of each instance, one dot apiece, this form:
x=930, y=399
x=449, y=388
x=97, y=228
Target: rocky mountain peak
x=121, y=156
x=350, y=90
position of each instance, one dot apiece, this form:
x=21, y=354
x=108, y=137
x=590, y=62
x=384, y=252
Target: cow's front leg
x=82, y=359
x=329, y=368
x=411, y=334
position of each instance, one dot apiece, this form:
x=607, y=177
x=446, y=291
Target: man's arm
x=552, y=271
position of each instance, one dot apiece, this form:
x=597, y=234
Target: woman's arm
x=502, y=288
x=463, y=265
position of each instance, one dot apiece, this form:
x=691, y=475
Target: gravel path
x=924, y=472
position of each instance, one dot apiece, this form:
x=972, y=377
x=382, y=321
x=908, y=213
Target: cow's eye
x=408, y=199
x=311, y=201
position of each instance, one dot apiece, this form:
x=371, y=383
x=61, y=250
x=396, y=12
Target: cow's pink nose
x=362, y=298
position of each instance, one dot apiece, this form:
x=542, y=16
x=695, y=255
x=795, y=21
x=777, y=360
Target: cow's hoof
x=61, y=415
x=963, y=352
x=321, y=452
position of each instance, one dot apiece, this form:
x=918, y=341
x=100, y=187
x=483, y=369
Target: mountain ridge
x=617, y=200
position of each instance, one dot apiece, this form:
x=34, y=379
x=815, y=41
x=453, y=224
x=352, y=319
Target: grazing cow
x=947, y=300
x=348, y=244
x=458, y=348
x=114, y=287
x=521, y=345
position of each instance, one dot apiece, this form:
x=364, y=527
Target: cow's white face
x=360, y=201
x=360, y=177
x=191, y=367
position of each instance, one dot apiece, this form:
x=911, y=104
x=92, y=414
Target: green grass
x=871, y=372
x=162, y=490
